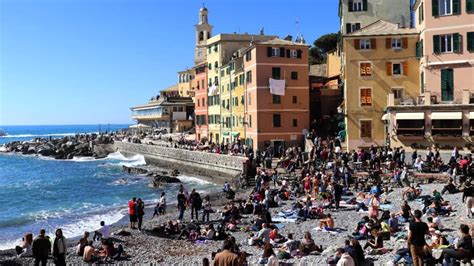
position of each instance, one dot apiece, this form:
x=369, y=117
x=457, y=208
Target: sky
x=88, y=61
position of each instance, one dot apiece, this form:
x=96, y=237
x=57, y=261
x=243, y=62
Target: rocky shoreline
x=66, y=148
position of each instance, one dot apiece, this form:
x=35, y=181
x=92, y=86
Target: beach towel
x=277, y=86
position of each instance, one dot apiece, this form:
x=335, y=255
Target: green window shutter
x=422, y=82
x=456, y=7
x=470, y=41
x=364, y=5
x=419, y=52
x=456, y=42
x=435, y=7
x=436, y=49
x=447, y=85
x=469, y=6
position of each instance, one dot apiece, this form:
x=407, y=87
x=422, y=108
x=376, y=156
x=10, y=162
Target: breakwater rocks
x=93, y=145
x=157, y=179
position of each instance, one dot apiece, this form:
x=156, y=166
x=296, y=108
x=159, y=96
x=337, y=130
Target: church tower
x=203, y=33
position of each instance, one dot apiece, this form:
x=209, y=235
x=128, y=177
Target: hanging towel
x=212, y=90
x=277, y=87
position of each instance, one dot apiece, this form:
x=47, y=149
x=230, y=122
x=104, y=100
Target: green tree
x=324, y=44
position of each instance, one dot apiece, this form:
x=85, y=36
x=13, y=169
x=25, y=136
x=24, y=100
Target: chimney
x=288, y=38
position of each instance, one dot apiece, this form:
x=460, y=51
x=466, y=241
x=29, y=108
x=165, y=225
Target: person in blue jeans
x=403, y=253
x=181, y=204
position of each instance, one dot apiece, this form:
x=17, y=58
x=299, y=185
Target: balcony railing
x=428, y=98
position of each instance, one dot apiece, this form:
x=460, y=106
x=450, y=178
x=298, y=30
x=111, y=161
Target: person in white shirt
x=103, y=232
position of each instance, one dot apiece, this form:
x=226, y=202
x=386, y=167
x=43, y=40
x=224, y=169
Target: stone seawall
x=214, y=167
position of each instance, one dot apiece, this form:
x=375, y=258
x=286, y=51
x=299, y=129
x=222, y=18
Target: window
x=419, y=49
x=242, y=101
x=397, y=93
x=470, y=41
x=445, y=7
x=396, y=43
x=295, y=122
x=275, y=52
x=250, y=120
x=421, y=13
x=202, y=84
x=294, y=99
x=469, y=6
x=276, y=120
x=447, y=43
x=365, y=69
x=365, y=44
x=366, y=97
x=422, y=82
x=209, y=50
x=276, y=99
x=351, y=27
x=216, y=81
x=397, y=69
x=276, y=72
x=250, y=99
x=216, y=64
x=447, y=84
x=249, y=77
x=216, y=48
x=248, y=56
x=366, y=129
x=293, y=53
x=294, y=75
x=210, y=66
x=199, y=100
x=357, y=5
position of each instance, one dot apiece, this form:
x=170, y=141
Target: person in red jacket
x=131, y=212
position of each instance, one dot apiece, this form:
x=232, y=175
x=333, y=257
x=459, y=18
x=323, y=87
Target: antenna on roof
x=298, y=32
x=262, y=30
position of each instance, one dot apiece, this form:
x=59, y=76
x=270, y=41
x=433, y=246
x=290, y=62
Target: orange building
x=270, y=119
x=199, y=85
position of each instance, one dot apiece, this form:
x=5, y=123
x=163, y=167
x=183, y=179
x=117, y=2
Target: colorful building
x=443, y=113
x=199, y=85
x=270, y=119
x=380, y=60
x=185, y=78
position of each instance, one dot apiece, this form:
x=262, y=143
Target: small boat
x=3, y=133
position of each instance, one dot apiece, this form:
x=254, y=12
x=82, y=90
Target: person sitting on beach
x=263, y=236
x=108, y=250
x=83, y=242
x=90, y=253
x=327, y=223
x=268, y=257
x=276, y=237
x=463, y=249
x=26, y=248
x=375, y=242
x=393, y=223
x=102, y=233
x=289, y=248
x=307, y=245
x=208, y=234
x=438, y=240
x=450, y=187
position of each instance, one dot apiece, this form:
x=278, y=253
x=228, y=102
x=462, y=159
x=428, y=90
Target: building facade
x=380, y=60
x=443, y=114
x=199, y=83
x=185, y=79
x=203, y=33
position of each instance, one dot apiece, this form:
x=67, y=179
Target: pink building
x=199, y=85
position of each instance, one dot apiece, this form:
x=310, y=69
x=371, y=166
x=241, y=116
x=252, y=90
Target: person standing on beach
x=41, y=248
x=59, y=249
x=139, y=212
x=181, y=204
x=416, y=239
x=131, y=212
x=196, y=203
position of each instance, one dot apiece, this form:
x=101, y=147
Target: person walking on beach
x=59, y=249
x=41, y=248
x=139, y=212
x=207, y=208
x=181, y=204
x=160, y=208
x=416, y=239
x=131, y=212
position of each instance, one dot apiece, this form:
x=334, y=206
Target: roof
x=238, y=37
x=171, y=88
x=382, y=28
x=278, y=41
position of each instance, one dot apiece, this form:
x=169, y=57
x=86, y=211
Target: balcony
x=428, y=98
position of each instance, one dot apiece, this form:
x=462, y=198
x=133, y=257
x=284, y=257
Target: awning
x=235, y=134
x=446, y=115
x=225, y=134
x=471, y=115
x=385, y=117
x=410, y=116
x=139, y=126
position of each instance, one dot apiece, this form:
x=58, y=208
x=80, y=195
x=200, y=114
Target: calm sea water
x=75, y=195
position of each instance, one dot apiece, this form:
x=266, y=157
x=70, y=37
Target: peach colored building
x=270, y=119
x=199, y=86
x=443, y=113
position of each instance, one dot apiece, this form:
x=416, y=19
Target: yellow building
x=220, y=50
x=379, y=60
x=184, y=83
x=238, y=100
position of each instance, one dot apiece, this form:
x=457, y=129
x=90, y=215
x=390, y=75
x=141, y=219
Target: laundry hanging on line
x=277, y=86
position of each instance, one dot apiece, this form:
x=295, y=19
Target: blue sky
x=88, y=61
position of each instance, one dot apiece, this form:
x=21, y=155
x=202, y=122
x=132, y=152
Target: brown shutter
x=405, y=68
x=357, y=44
x=388, y=43
x=389, y=69
x=405, y=43
x=373, y=44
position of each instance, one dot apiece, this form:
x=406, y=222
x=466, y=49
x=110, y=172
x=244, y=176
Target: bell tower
x=203, y=33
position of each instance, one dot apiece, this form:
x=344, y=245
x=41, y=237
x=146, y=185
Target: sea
x=74, y=195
